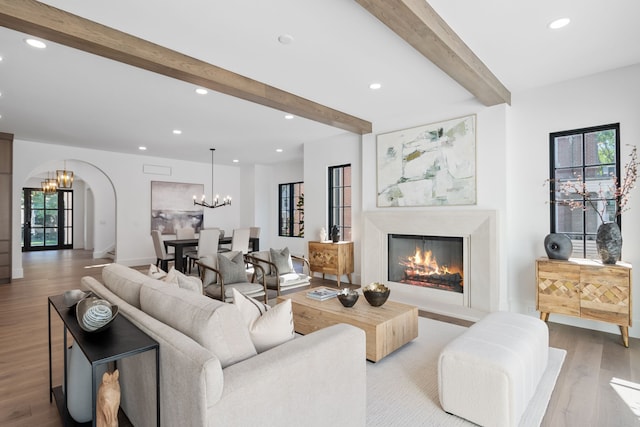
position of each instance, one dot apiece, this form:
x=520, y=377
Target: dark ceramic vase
x=335, y=234
x=558, y=246
x=609, y=242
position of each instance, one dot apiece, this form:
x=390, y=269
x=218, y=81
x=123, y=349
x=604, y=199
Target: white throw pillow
x=156, y=273
x=183, y=281
x=268, y=326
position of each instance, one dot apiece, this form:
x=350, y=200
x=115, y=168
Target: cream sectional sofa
x=210, y=373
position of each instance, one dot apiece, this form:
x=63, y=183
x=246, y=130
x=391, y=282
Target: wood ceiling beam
x=420, y=26
x=41, y=20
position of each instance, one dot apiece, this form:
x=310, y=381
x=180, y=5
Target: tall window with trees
x=340, y=199
x=291, y=209
x=589, y=157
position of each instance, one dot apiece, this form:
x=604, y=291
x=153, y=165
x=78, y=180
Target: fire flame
x=423, y=264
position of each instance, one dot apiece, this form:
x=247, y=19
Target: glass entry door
x=47, y=219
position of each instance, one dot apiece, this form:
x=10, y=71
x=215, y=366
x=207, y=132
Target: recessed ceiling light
x=375, y=86
x=285, y=39
x=36, y=43
x=559, y=23
x=235, y=160
x=202, y=91
x=1, y=58
x=177, y=132
x=141, y=148
x=288, y=116
x=279, y=150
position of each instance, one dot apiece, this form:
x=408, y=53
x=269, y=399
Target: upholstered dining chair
x=186, y=233
x=222, y=272
x=279, y=269
x=254, y=232
x=207, y=245
x=240, y=240
x=162, y=256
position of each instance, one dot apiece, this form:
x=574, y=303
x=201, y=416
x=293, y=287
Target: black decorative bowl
x=376, y=294
x=348, y=297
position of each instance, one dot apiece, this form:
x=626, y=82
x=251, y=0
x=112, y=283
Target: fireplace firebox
x=427, y=261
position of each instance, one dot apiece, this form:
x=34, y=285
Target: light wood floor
x=582, y=397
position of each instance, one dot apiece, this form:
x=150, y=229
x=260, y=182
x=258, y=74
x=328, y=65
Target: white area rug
x=402, y=388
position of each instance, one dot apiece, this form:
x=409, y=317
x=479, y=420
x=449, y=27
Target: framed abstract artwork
x=429, y=165
x=172, y=206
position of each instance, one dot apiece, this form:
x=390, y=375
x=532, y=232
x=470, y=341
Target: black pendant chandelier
x=215, y=202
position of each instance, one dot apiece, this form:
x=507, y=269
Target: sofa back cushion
x=215, y=325
x=126, y=282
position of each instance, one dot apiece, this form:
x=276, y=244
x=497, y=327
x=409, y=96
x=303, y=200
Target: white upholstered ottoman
x=489, y=373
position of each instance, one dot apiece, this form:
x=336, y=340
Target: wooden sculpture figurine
x=108, y=400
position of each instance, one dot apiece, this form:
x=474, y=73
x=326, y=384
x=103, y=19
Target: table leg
x=544, y=316
x=178, y=259
x=624, y=330
x=50, y=374
x=158, y=386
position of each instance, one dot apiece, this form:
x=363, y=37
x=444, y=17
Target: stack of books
x=322, y=294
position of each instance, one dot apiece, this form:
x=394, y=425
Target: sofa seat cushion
x=289, y=280
x=217, y=326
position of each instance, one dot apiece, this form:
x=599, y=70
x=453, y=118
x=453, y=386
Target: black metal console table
x=122, y=339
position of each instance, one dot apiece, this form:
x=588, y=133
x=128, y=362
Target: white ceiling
x=64, y=96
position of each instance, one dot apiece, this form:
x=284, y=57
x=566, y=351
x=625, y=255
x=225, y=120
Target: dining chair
x=162, y=256
x=240, y=240
x=207, y=245
x=186, y=233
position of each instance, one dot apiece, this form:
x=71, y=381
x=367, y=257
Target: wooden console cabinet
x=331, y=258
x=587, y=289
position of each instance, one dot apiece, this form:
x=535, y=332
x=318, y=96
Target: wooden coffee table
x=387, y=328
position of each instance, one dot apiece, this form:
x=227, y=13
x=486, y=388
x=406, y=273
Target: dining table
x=179, y=246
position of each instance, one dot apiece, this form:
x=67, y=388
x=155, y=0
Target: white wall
x=605, y=98
x=318, y=157
x=270, y=177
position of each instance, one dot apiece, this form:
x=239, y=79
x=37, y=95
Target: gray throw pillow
x=282, y=259
x=232, y=268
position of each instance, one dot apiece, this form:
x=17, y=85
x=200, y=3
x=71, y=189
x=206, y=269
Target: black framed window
x=590, y=158
x=291, y=209
x=340, y=200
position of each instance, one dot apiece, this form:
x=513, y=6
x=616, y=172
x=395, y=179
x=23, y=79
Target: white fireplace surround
x=478, y=228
